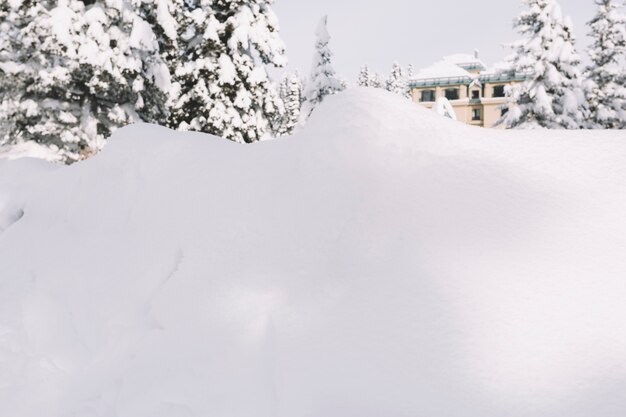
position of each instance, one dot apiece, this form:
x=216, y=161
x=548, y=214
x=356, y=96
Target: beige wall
x=492, y=110
x=489, y=106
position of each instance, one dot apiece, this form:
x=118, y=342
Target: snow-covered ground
x=384, y=261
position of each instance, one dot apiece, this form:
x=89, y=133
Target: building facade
x=476, y=95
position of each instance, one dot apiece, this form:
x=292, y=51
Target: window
x=475, y=114
x=427, y=95
x=503, y=111
x=498, y=91
x=475, y=94
x=452, y=93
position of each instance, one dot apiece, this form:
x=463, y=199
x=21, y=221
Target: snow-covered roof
x=465, y=61
x=475, y=83
x=454, y=69
x=456, y=65
x=441, y=69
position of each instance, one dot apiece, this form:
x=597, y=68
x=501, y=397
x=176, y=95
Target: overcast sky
x=417, y=32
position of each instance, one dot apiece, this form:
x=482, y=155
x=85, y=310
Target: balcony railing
x=432, y=82
x=483, y=78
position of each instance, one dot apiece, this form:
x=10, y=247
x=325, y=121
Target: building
x=476, y=94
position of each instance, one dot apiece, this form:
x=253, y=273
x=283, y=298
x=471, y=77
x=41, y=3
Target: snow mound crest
x=383, y=261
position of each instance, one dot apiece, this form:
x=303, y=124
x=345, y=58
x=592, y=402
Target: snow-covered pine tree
x=161, y=16
x=365, y=77
x=291, y=96
x=552, y=96
x=194, y=67
x=220, y=81
x=86, y=68
x=606, y=76
x=397, y=81
x=43, y=106
x=410, y=72
x=323, y=80
x=12, y=20
x=344, y=83
x=378, y=81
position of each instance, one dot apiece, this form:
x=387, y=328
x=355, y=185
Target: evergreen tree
x=365, y=77
x=220, y=82
x=161, y=16
x=85, y=68
x=194, y=68
x=378, y=81
x=606, y=76
x=552, y=96
x=72, y=71
x=410, y=72
x=12, y=20
x=397, y=81
x=343, y=81
x=323, y=80
x=291, y=96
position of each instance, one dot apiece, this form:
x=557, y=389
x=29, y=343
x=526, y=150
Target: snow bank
x=30, y=149
x=383, y=262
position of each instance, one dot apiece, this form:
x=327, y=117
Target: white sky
x=416, y=32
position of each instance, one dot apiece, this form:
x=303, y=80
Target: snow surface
x=30, y=149
x=384, y=261
x=444, y=108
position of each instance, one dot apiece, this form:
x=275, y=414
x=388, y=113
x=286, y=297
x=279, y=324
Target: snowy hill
x=382, y=262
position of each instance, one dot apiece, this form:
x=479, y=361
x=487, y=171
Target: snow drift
x=383, y=261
